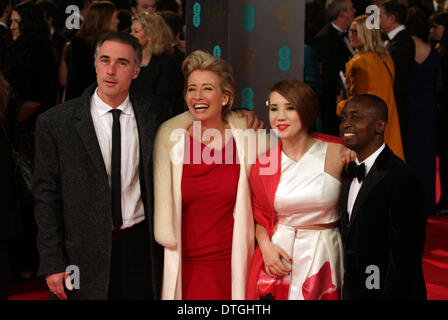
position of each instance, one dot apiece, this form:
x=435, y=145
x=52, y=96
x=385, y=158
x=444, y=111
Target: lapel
x=86, y=130
x=338, y=42
x=378, y=171
x=344, y=200
x=145, y=125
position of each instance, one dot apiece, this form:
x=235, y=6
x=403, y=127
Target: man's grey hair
x=124, y=38
x=332, y=8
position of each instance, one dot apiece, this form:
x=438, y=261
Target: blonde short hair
x=158, y=31
x=371, y=38
x=200, y=60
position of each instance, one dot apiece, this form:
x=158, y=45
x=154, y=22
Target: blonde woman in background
x=372, y=71
x=159, y=73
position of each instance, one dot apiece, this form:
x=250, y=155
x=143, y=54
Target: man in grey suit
x=93, y=184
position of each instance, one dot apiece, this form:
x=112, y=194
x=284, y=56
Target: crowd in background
x=44, y=63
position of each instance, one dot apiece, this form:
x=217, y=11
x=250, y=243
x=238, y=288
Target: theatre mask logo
x=248, y=56
x=284, y=17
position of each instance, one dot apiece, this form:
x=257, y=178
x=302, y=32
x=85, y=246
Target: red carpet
x=35, y=289
x=435, y=263
x=435, y=259
x=435, y=267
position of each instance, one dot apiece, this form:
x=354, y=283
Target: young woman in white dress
x=299, y=253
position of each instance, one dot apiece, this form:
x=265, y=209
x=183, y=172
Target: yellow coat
x=367, y=74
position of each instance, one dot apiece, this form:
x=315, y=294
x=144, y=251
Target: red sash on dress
x=260, y=284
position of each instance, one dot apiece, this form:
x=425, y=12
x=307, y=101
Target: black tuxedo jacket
x=402, y=51
x=387, y=230
x=333, y=54
x=163, y=77
x=72, y=193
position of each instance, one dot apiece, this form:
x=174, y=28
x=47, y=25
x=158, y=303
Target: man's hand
x=55, y=283
x=253, y=122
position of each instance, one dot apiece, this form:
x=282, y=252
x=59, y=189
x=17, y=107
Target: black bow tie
x=356, y=171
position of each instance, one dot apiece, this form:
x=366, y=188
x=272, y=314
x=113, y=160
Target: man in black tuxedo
x=93, y=184
x=333, y=52
x=402, y=50
x=383, y=209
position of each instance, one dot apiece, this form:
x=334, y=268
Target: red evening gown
x=208, y=200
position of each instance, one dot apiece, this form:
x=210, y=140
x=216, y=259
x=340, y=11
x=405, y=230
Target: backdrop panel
x=262, y=39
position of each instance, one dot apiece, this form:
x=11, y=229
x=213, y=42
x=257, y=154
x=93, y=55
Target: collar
x=394, y=32
x=3, y=24
x=370, y=160
x=337, y=28
x=103, y=108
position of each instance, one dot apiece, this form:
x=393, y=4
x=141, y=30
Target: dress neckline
x=316, y=142
x=431, y=52
x=230, y=140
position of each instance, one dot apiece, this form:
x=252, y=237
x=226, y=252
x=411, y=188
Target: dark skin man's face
x=361, y=128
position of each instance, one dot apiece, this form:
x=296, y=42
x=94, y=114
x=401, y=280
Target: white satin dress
x=307, y=195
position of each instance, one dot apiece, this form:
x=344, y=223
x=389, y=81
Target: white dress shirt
x=355, y=186
x=394, y=32
x=131, y=200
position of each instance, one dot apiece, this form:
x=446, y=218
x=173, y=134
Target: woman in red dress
x=203, y=216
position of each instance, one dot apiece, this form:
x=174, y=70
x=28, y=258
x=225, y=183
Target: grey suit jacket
x=72, y=193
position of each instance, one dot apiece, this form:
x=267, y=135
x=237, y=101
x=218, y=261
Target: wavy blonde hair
x=161, y=37
x=371, y=38
x=201, y=60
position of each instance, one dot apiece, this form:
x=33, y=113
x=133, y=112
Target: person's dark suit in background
x=50, y=10
x=402, y=50
x=160, y=73
x=75, y=201
x=439, y=35
x=9, y=216
x=31, y=73
x=333, y=52
x=383, y=211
